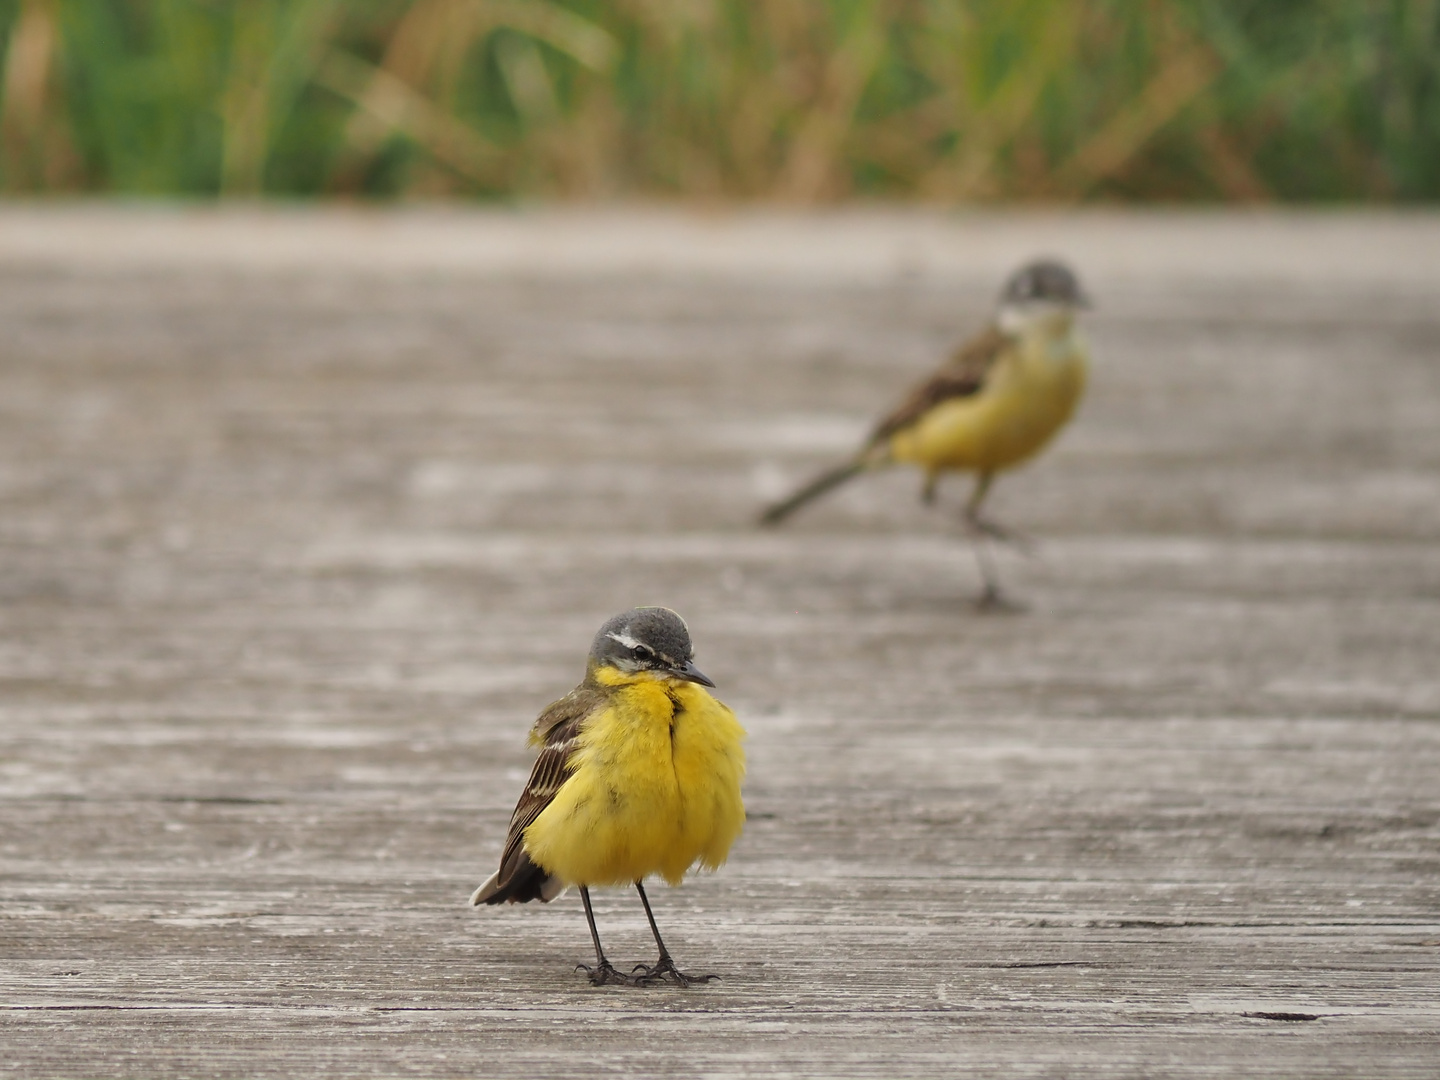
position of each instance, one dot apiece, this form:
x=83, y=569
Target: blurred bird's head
x=647, y=641
x=1045, y=291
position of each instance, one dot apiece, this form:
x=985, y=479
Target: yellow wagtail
x=639, y=773
x=1001, y=397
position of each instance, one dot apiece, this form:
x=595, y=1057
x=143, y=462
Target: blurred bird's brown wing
x=963, y=375
x=518, y=879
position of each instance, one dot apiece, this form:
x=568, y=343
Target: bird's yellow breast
x=655, y=787
x=1031, y=393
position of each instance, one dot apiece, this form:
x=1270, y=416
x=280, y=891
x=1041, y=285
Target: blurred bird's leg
x=983, y=526
x=990, y=597
x=664, y=967
x=927, y=493
x=603, y=972
x=982, y=531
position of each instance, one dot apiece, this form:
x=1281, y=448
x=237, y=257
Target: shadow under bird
x=997, y=402
x=639, y=773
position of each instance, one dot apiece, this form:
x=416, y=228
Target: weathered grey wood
x=303, y=518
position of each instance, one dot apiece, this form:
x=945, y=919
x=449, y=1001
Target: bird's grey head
x=1043, y=289
x=648, y=639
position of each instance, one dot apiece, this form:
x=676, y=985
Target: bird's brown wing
x=964, y=374
x=556, y=729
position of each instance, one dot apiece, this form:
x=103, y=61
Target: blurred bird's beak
x=690, y=673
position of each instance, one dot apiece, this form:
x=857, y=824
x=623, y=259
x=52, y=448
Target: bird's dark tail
x=524, y=882
x=813, y=490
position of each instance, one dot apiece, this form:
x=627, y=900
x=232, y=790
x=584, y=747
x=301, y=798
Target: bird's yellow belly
x=645, y=799
x=995, y=429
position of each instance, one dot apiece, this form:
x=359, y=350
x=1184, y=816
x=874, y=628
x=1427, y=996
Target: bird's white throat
x=1051, y=316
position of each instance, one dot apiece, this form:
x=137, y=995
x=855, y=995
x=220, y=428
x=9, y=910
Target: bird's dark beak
x=690, y=673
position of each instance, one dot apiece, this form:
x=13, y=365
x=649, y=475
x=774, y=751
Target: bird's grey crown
x=658, y=629
x=1043, y=280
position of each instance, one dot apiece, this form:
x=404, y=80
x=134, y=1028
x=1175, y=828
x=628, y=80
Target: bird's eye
x=640, y=652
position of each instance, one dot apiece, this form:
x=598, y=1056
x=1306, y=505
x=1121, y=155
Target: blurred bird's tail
x=813, y=490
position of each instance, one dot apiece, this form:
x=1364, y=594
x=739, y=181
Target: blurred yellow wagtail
x=1001, y=397
x=639, y=773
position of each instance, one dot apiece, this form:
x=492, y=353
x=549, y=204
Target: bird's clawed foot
x=665, y=969
x=605, y=973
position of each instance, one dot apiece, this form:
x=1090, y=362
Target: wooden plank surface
x=304, y=516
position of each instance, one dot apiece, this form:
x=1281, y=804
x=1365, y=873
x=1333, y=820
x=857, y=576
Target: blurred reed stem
x=791, y=100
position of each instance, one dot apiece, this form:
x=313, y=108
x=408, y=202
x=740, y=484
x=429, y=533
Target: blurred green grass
x=791, y=100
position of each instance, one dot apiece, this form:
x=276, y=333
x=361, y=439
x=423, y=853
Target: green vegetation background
x=793, y=100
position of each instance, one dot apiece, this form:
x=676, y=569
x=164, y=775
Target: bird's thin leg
x=984, y=526
x=981, y=533
x=603, y=972
x=927, y=493
x=990, y=596
x=664, y=967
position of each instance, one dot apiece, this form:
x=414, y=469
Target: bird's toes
x=605, y=973
x=667, y=971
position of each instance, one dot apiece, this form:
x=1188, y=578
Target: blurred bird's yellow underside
x=1031, y=393
x=655, y=788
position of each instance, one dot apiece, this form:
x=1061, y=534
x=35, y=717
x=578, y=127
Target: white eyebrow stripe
x=624, y=639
